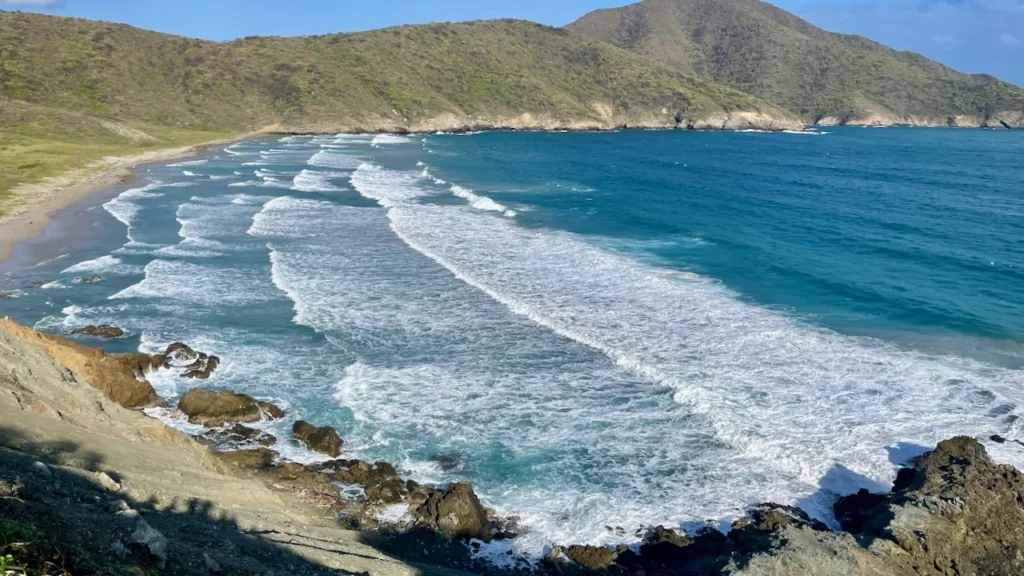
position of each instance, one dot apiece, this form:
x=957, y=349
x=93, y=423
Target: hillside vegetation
x=400, y=75
x=760, y=49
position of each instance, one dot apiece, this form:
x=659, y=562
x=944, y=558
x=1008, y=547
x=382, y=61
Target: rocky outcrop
x=380, y=481
x=999, y=120
x=456, y=513
x=324, y=440
x=236, y=437
x=197, y=365
x=122, y=377
x=101, y=331
x=88, y=280
x=606, y=118
x=214, y=409
x=257, y=459
x=954, y=512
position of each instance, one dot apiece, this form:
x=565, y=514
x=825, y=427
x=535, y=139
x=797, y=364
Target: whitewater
x=602, y=339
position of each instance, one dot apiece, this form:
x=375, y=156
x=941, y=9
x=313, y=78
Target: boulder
x=456, y=513
x=101, y=331
x=591, y=557
x=324, y=440
x=215, y=409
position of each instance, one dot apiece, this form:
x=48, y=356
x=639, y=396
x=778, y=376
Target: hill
x=74, y=90
x=391, y=78
x=822, y=76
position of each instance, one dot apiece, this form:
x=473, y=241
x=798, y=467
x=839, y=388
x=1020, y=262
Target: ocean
x=604, y=331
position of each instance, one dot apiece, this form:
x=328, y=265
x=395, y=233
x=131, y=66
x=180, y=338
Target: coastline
x=34, y=202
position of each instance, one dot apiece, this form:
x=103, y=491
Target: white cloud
x=1009, y=39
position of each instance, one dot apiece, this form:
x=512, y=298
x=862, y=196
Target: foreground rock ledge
x=954, y=513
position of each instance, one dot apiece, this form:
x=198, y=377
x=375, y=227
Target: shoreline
x=30, y=218
x=916, y=523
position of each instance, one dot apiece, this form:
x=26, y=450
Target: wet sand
x=36, y=201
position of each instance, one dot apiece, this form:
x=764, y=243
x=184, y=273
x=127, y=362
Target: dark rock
x=380, y=481
x=324, y=440
x=101, y=331
x=258, y=459
x=591, y=557
x=180, y=353
x=664, y=547
x=237, y=436
x=851, y=510
x=446, y=463
x=997, y=439
x=754, y=532
x=215, y=409
x=89, y=280
x=456, y=513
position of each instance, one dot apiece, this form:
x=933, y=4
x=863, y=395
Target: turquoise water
x=604, y=330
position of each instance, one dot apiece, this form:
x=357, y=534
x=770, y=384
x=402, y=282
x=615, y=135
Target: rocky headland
x=89, y=484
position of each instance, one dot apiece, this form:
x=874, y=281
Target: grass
x=38, y=141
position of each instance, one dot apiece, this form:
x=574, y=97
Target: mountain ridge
x=824, y=77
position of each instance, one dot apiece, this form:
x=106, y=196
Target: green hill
x=760, y=49
x=64, y=81
x=392, y=77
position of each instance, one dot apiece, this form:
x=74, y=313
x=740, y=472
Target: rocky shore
x=954, y=511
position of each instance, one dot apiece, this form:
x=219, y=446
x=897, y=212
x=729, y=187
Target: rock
x=211, y=564
x=755, y=532
x=89, y=280
x=851, y=510
x=41, y=469
x=108, y=483
x=456, y=513
x=591, y=557
x=101, y=331
x=554, y=556
x=150, y=539
x=258, y=459
x=380, y=482
x=215, y=409
x=955, y=510
x=446, y=463
x=324, y=440
x=180, y=353
x=237, y=437
x=122, y=377
x=300, y=477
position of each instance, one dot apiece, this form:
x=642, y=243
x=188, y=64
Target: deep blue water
x=610, y=329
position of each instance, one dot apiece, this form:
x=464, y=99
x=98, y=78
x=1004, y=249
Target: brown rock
x=591, y=557
x=258, y=459
x=215, y=409
x=101, y=331
x=120, y=376
x=324, y=439
x=456, y=513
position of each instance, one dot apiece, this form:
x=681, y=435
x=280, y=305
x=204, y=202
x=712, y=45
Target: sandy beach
x=33, y=202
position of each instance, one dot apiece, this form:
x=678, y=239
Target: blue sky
x=970, y=35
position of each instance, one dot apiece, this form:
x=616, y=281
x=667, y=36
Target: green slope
x=396, y=75
x=760, y=49
x=63, y=80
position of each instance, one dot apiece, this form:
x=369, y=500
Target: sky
x=969, y=35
